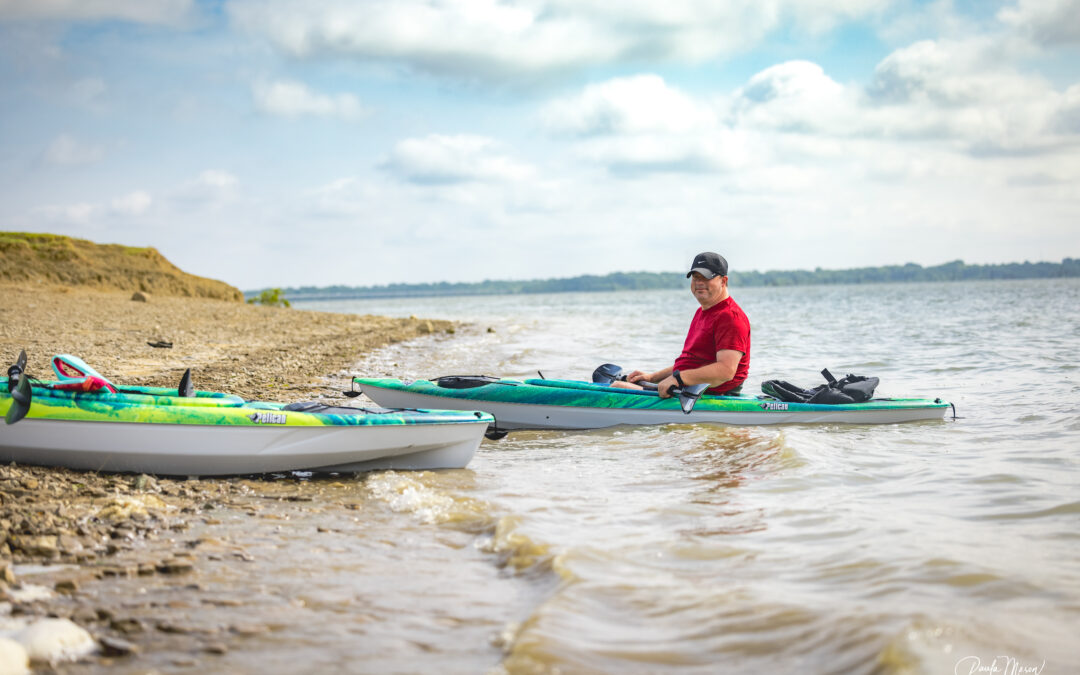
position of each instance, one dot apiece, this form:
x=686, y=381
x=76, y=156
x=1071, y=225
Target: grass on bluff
x=64, y=261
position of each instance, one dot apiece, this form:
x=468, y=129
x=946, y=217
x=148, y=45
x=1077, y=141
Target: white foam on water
x=405, y=493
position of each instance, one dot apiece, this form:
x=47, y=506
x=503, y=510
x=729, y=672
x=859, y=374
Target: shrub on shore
x=271, y=297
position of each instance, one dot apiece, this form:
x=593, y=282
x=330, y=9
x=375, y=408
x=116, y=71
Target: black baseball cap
x=708, y=265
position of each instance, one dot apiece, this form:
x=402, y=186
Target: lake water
x=931, y=547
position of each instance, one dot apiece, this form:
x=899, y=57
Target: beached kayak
x=153, y=430
x=570, y=404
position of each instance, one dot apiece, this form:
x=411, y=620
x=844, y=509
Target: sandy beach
x=88, y=527
x=253, y=351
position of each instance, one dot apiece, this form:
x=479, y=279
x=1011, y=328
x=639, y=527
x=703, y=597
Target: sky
x=318, y=142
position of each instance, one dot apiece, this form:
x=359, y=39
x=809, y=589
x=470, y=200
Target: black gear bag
x=849, y=389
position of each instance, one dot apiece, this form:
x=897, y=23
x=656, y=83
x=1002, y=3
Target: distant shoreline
x=638, y=281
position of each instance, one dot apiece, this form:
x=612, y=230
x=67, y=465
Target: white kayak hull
x=189, y=449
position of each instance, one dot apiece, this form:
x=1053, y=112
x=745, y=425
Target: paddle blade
x=20, y=402
x=607, y=373
x=186, y=389
x=688, y=396
x=495, y=434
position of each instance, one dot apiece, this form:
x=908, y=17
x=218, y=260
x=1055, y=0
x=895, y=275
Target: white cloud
x=820, y=16
x=216, y=180
x=1048, y=22
x=639, y=104
x=954, y=97
x=715, y=150
x=133, y=204
x=523, y=38
x=66, y=150
x=641, y=124
x=210, y=189
x=170, y=12
x=1067, y=118
x=97, y=213
x=951, y=73
x=76, y=214
x=295, y=99
x=439, y=159
x=967, y=93
x=794, y=96
x=349, y=197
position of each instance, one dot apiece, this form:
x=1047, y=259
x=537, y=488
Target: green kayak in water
x=572, y=404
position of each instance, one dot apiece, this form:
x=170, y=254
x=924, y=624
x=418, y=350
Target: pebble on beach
x=13, y=658
x=55, y=641
x=122, y=508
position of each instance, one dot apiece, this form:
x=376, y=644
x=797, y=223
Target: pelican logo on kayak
x=769, y=405
x=267, y=418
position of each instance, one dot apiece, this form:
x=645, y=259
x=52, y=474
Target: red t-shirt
x=722, y=326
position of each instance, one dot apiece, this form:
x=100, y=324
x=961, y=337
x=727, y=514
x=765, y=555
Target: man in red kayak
x=717, y=347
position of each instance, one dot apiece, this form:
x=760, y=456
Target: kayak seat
x=317, y=408
x=464, y=381
x=88, y=384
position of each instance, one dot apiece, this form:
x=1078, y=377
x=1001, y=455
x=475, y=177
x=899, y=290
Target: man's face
x=708, y=292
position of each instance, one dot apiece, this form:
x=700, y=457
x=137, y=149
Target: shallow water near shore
x=931, y=547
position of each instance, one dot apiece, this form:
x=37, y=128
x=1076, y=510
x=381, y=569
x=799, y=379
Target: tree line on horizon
x=956, y=270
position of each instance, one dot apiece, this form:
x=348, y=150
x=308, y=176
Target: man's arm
x=714, y=374
x=658, y=376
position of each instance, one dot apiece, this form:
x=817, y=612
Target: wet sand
x=64, y=533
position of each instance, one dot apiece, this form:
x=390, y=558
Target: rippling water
x=905, y=548
x=930, y=547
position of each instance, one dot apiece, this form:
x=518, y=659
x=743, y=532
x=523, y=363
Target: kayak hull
x=567, y=405
x=208, y=451
x=82, y=431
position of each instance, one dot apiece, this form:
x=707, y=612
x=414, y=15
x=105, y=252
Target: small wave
x=929, y=645
x=515, y=550
x=411, y=494
x=500, y=536
x=656, y=623
x=1059, y=510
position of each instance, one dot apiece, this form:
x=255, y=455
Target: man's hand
x=666, y=385
x=636, y=376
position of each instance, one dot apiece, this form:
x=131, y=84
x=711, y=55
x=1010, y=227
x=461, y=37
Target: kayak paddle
x=688, y=395
x=20, y=395
x=186, y=389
